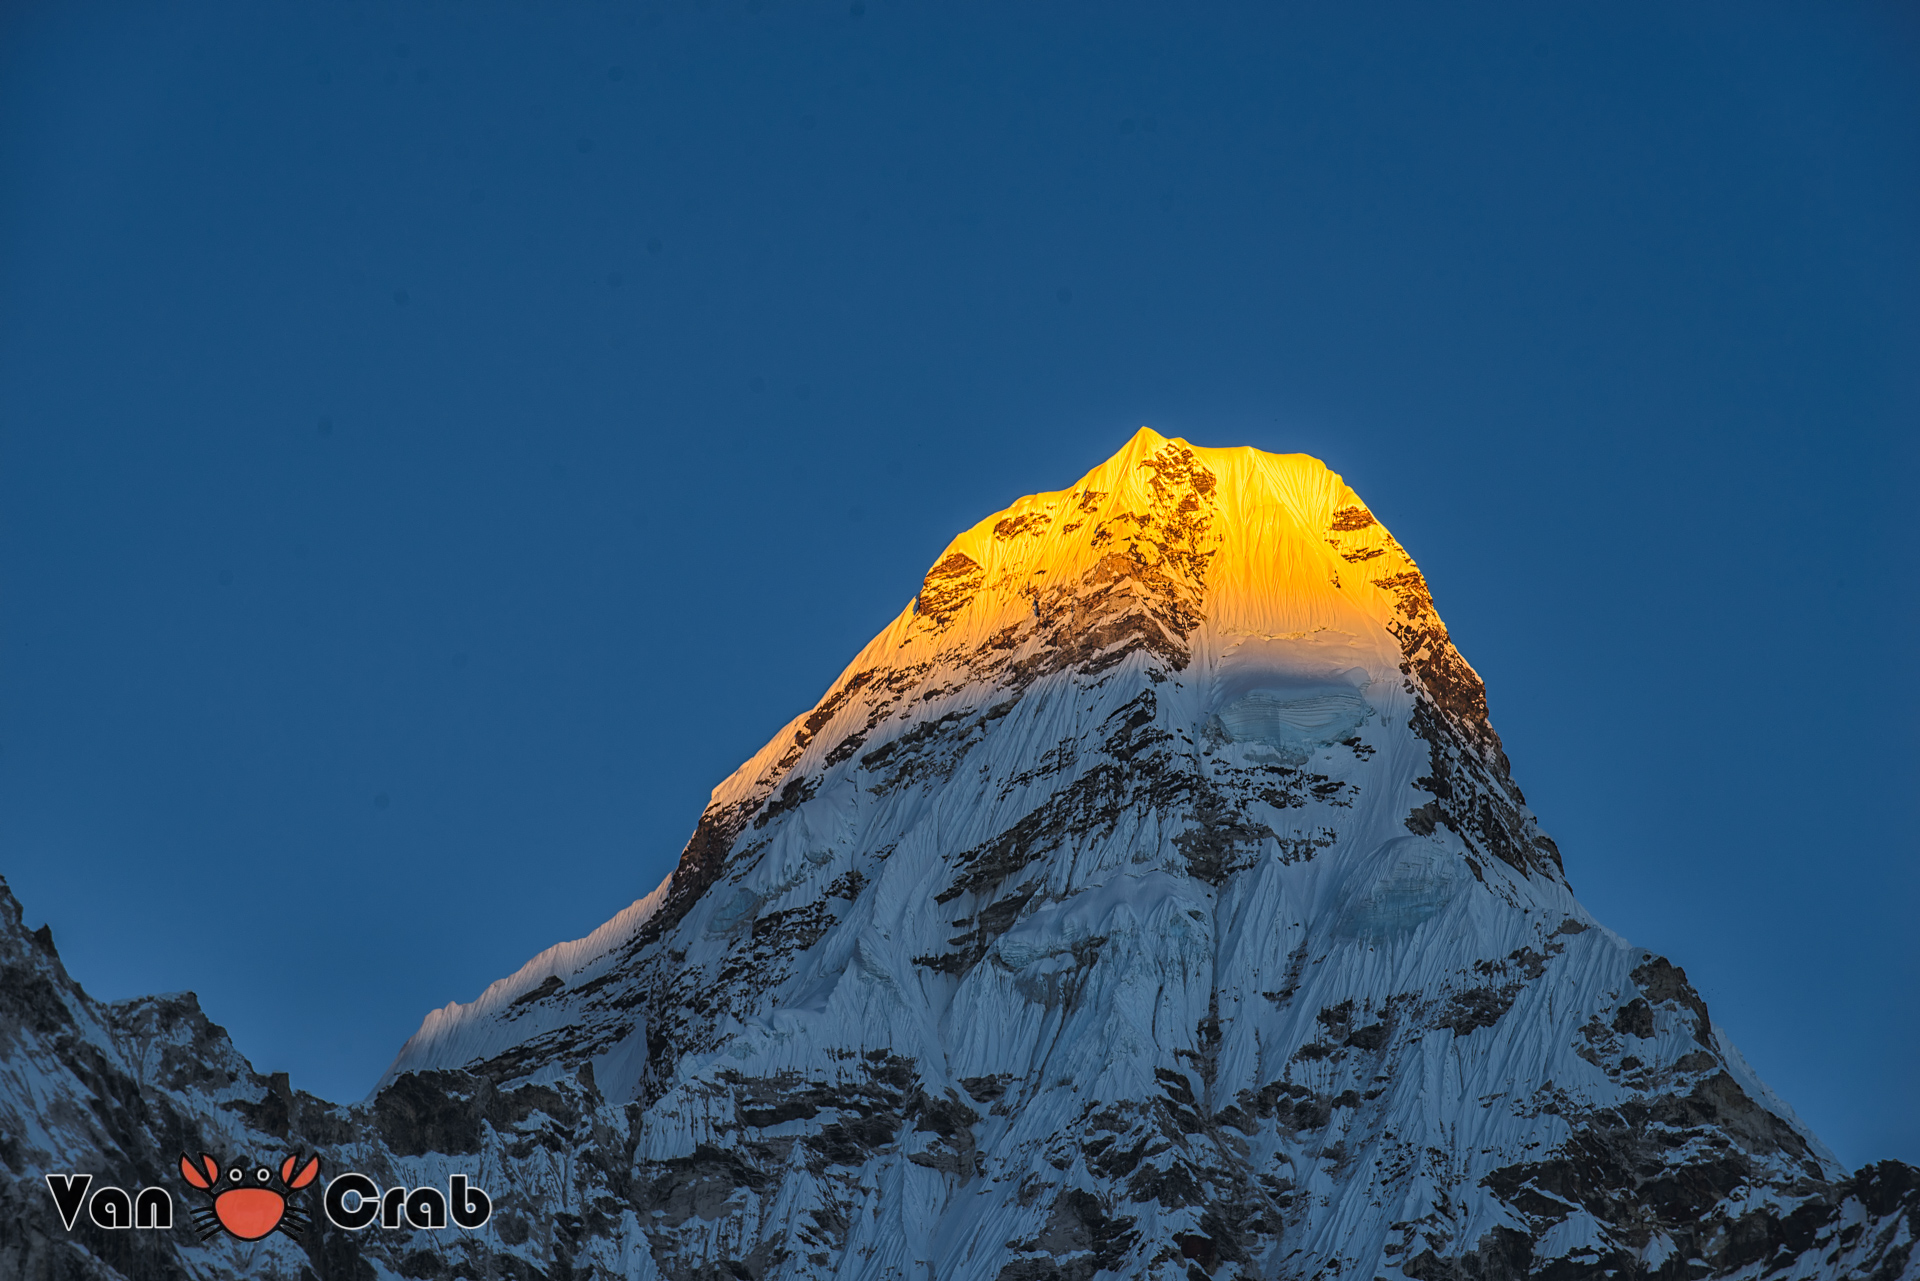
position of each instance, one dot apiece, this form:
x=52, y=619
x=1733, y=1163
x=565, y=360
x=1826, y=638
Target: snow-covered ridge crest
x=459, y=1033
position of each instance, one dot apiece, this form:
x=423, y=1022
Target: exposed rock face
x=1151, y=899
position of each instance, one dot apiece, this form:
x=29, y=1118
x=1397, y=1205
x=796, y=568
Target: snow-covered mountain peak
x=1247, y=529
x=1229, y=542
x=1235, y=605
x=1246, y=604
x=1233, y=559
x=1150, y=898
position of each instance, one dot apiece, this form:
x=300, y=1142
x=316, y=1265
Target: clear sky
x=438, y=442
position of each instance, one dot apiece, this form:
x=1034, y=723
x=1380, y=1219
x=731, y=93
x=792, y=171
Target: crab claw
x=192, y=1174
x=308, y=1172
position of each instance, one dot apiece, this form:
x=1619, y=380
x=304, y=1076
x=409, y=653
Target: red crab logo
x=248, y=1201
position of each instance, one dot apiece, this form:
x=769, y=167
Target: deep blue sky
x=438, y=442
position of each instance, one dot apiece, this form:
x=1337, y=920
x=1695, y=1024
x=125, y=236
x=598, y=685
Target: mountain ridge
x=1151, y=897
x=1311, y=493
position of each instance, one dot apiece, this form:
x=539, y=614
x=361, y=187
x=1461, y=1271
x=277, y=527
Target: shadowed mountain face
x=1151, y=899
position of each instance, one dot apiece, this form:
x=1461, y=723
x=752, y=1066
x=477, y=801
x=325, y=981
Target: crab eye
x=235, y=1175
x=263, y=1174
